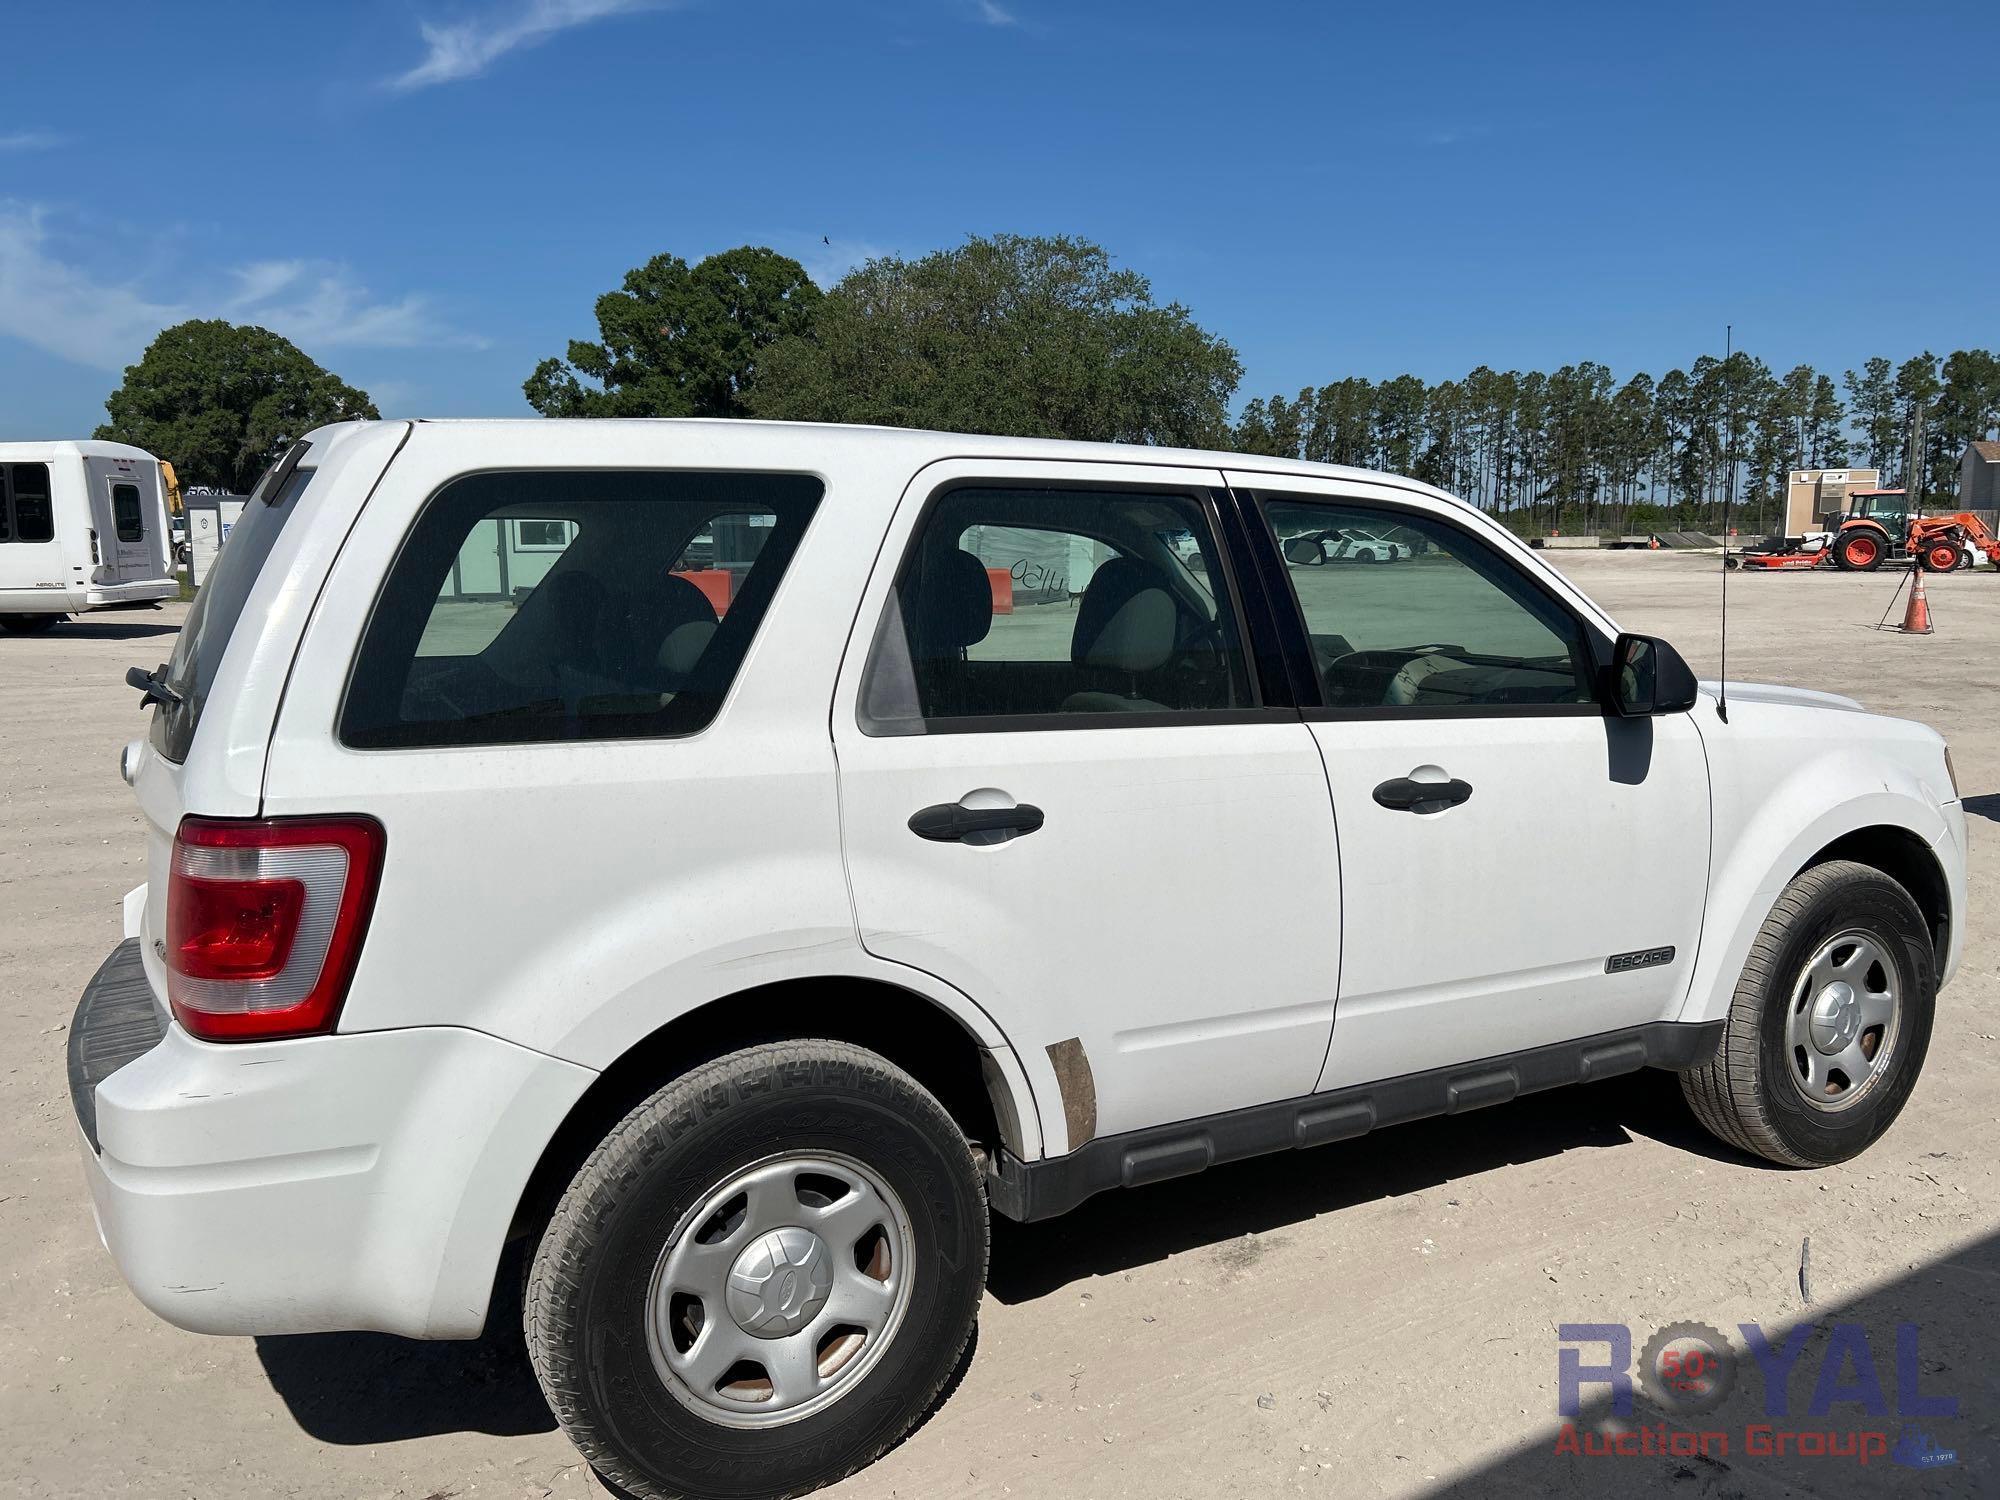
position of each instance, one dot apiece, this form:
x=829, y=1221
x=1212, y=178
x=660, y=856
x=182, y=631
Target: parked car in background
x=83, y=526
x=1348, y=544
x=736, y=963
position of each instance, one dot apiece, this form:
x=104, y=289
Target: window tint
x=1054, y=603
x=554, y=605
x=25, y=513
x=126, y=514
x=199, y=648
x=1404, y=611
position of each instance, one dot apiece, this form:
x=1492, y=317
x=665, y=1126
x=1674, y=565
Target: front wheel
x=1942, y=557
x=28, y=624
x=1829, y=1024
x=763, y=1276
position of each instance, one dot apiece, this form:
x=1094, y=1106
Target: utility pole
x=1913, y=461
x=1729, y=428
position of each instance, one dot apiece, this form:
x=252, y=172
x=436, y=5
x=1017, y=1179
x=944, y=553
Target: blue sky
x=428, y=196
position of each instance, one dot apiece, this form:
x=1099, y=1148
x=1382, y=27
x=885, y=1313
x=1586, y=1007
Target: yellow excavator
x=177, y=533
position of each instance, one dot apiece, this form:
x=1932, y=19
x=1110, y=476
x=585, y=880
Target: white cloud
x=70, y=311
x=465, y=49
x=997, y=15
x=62, y=308
x=32, y=140
x=319, y=304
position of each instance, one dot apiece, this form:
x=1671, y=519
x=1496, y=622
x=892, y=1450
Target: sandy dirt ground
x=1377, y=1318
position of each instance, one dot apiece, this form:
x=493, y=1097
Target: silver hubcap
x=1842, y=1025
x=780, y=1290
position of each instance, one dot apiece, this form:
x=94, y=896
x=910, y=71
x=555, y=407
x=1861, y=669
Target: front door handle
x=1406, y=794
x=949, y=822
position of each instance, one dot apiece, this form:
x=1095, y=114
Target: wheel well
x=917, y=1036
x=1906, y=859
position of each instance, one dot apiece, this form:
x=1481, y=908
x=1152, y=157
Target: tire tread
x=556, y=1275
x=1726, y=1093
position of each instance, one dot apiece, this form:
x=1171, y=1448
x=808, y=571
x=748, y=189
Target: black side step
x=1040, y=1190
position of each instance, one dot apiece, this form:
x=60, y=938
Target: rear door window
x=1025, y=609
x=126, y=513
x=219, y=606
x=572, y=605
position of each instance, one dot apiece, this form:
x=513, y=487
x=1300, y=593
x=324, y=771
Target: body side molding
x=1027, y=1191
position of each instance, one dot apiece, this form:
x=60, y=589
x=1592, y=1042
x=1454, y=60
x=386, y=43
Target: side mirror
x=1647, y=676
x=1303, y=550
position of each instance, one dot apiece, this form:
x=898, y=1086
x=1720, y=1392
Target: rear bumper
x=146, y=591
x=335, y=1182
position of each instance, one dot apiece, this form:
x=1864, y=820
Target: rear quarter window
x=127, y=514
x=548, y=605
x=218, y=607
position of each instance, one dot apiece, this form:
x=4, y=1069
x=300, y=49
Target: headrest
x=683, y=646
x=954, y=606
x=681, y=603
x=1126, y=620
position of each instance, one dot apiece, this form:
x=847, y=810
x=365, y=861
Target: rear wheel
x=1859, y=551
x=28, y=624
x=762, y=1278
x=1829, y=1024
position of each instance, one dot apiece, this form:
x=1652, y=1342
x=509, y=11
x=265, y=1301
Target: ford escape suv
x=728, y=860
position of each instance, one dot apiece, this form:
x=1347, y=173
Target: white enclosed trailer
x=83, y=525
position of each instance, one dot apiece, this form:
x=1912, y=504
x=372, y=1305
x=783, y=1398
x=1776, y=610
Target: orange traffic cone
x=1917, y=618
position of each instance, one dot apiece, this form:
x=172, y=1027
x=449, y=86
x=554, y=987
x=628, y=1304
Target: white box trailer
x=210, y=514
x=83, y=526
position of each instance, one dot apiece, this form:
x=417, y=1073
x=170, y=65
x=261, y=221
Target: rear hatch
x=204, y=754
x=130, y=519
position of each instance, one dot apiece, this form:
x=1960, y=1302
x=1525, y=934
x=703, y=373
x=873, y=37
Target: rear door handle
x=1406, y=794
x=949, y=823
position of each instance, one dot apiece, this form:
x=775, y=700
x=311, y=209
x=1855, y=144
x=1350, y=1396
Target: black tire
x=588, y=1285
x=1745, y=1094
x=28, y=624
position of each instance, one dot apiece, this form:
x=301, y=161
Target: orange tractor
x=1940, y=543
x=1879, y=526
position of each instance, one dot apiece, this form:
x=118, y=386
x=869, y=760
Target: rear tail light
x=265, y=920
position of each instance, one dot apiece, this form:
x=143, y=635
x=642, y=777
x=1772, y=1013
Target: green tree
x=680, y=341
x=220, y=401
x=1826, y=426
x=1872, y=394
x=1917, y=387
x=1339, y=430
x=1022, y=336
x=1968, y=407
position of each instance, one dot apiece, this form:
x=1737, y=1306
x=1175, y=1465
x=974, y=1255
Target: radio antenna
x=1728, y=503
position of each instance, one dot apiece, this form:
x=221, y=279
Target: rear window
x=126, y=514
x=219, y=605
x=572, y=605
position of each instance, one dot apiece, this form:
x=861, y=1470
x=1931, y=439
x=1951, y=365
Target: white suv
x=726, y=859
